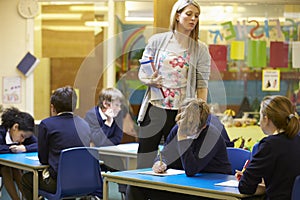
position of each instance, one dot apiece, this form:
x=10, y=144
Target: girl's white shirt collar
x=8, y=139
x=103, y=116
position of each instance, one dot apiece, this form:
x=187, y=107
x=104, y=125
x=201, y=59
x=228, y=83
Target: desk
x=27, y=162
x=199, y=185
x=128, y=152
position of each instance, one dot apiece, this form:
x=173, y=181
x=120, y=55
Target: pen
x=160, y=158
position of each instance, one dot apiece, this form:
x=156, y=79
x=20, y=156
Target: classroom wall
x=15, y=40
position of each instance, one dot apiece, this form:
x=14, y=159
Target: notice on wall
x=237, y=50
x=295, y=54
x=11, y=90
x=270, y=80
x=257, y=56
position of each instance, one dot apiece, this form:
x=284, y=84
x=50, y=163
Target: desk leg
x=127, y=163
x=35, y=185
x=105, y=189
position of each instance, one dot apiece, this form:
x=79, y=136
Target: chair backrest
x=254, y=149
x=296, y=189
x=78, y=172
x=237, y=158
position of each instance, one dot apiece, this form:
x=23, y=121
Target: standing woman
x=181, y=70
x=277, y=160
x=16, y=136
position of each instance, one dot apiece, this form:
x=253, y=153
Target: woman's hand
x=159, y=167
x=155, y=80
x=17, y=148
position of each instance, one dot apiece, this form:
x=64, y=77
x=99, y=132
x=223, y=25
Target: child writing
x=16, y=136
x=195, y=144
x=277, y=159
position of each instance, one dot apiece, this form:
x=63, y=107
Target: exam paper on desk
x=169, y=172
x=230, y=183
x=32, y=157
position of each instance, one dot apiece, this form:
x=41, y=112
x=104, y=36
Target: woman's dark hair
x=13, y=116
x=64, y=99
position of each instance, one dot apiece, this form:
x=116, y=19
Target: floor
x=113, y=193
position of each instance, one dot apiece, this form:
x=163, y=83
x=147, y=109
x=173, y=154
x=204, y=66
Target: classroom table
x=27, y=162
x=203, y=184
x=127, y=152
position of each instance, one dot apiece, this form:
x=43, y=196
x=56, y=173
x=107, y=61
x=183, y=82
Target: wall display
x=237, y=50
x=257, y=53
x=219, y=56
x=270, y=80
x=279, y=54
x=295, y=54
x=11, y=90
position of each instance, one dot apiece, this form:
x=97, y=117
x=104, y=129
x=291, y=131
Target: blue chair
x=237, y=158
x=254, y=149
x=78, y=175
x=296, y=189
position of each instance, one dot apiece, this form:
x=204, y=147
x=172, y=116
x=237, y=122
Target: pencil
x=245, y=165
x=160, y=158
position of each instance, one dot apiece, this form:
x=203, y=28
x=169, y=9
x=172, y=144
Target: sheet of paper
x=230, y=183
x=169, y=172
x=128, y=147
x=32, y=157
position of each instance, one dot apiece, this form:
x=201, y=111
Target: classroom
x=91, y=45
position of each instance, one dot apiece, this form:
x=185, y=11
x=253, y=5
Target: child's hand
x=159, y=167
x=109, y=113
x=238, y=174
x=17, y=148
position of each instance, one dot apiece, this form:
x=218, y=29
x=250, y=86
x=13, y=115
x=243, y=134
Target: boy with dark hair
x=60, y=131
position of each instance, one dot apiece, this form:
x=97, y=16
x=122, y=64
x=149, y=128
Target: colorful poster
x=257, y=53
x=279, y=54
x=296, y=54
x=218, y=56
x=11, y=90
x=271, y=80
x=237, y=50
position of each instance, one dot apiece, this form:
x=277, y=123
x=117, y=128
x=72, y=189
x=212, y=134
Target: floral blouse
x=173, y=67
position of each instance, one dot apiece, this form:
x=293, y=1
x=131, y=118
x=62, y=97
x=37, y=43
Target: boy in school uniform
x=60, y=131
x=105, y=130
x=106, y=124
